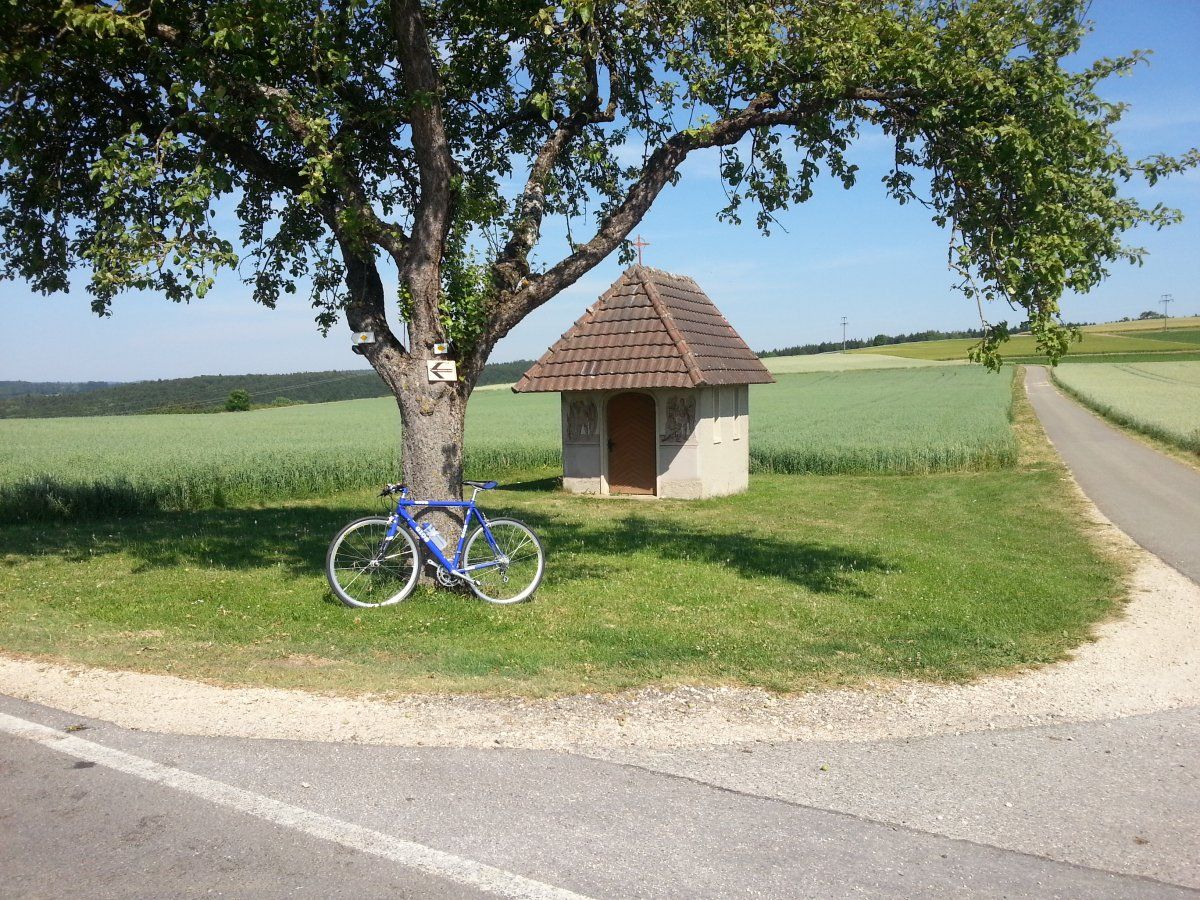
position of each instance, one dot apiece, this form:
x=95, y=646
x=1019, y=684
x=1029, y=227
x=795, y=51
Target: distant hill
x=44, y=388
x=207, y=393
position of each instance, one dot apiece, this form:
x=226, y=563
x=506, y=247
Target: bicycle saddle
x=482, y=485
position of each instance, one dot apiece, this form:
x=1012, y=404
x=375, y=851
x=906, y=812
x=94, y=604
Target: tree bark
x=434, y=418
x=432, y=415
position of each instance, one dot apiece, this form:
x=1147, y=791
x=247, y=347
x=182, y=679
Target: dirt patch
x=302, y=661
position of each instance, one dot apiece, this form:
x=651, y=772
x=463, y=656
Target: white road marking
x=407, y=853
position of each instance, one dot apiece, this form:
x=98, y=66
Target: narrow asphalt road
x=1091, y=810
x=1151, y=497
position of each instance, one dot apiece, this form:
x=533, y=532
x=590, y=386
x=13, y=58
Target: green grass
x=887, y=422
x=1160, y=399
x=1023, y=345
x=1174, y=335
x=1072, y=358
x=802, y=582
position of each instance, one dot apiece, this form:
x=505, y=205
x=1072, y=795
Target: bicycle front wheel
x=512, y=574
x=365, y=571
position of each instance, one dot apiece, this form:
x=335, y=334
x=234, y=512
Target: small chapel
x=655, y=388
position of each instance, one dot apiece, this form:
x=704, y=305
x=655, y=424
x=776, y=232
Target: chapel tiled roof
x=651, y=329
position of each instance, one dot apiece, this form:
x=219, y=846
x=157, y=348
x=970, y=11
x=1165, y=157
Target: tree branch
x=512, y=266
x=659, y=169
x=389, y=236
x=242, y=153
x=421, y=264
x=366, y=311
x=763, y=111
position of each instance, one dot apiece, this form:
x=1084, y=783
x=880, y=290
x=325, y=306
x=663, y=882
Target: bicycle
x=376, y=561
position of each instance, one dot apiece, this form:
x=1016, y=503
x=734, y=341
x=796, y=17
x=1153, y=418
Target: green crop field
x=899, y=421
x=1024, y=345
x=1188, y=322
x=1123, y=358
x=885, y=422
x=1173, y=335
x=842, y=362
x=1161, y=399
x=187, y=461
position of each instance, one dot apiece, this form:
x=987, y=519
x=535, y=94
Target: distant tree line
x=21, y=388
x=210, y=393
x=884, y=340
x=880, y=340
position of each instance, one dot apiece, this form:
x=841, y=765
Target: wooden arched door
x=632, y=457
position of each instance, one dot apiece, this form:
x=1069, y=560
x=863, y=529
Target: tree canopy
x=444, y=137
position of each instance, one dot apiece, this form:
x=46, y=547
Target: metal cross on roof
x=639, y=243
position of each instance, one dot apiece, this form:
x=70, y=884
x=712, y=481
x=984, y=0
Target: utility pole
x=843, y=334
x=1164, y=300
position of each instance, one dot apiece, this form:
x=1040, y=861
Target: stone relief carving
x=681, y=419
x=581, y=421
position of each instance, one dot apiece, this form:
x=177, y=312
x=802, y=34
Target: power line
x=1164, y=300
x=843, y=334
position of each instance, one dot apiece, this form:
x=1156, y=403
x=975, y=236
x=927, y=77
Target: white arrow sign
x=441, y=369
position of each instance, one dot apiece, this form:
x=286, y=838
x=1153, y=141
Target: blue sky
x=844, y=253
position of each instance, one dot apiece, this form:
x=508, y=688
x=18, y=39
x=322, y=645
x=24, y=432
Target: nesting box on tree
x=655, y=387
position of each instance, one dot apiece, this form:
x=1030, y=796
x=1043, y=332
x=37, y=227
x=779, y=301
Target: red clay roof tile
x=649, y=329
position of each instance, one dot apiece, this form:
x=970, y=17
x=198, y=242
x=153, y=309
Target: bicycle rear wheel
x=518, y=567
x=363, y=571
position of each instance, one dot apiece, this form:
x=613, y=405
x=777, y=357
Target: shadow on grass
x=296, y=538
x=537, y=485
x=47, y=499
x=821, y=568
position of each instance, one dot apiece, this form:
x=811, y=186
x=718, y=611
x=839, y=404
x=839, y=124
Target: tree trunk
x=434, y=418
x=433, y=415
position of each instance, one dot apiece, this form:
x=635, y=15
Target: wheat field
x=1161, y=399
x=901, y=421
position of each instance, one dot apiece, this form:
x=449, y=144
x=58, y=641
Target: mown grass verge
x=800, y=583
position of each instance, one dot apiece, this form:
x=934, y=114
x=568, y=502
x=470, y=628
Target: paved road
x=1151, y=497
x=1097, y=810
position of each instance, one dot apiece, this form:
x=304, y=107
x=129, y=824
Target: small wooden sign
x=441, y=370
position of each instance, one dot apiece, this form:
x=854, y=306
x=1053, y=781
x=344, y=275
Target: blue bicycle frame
x=402, y=515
